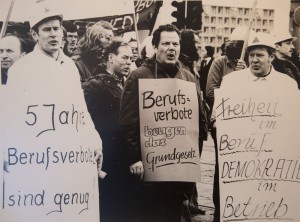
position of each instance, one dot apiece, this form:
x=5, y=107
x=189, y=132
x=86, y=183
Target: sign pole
x=245, y=45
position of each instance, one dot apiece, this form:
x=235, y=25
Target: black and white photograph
x=149, y=110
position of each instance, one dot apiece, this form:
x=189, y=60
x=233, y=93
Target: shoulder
x=142, y=72
x=282, y=77
x=95, y=82
x=236, y=76
x=189, y=76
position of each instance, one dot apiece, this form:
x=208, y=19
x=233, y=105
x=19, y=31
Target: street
x=205, y=187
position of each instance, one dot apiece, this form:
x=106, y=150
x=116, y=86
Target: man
x=226, y=64
x=47, y=69
x=71, y=39
x=11, y=49
x=135, y=53
x=205, y=66
x=163, y=201
x=190, y=48
x=260, y=78
x=90, y=52
x=261, y=55
x=103, y=94
x=283, y=51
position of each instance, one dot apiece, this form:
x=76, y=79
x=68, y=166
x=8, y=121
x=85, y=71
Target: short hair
x=210, y=51
x=91, y=39
x=69, y=26
x=163, y=28
x=36, y=26
x=114, y=47
x=21, y=40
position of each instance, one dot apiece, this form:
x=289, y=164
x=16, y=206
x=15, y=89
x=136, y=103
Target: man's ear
x=272, y=57
x=111, y=57
x=277, y=46
x=154, y=49
x=34, y=35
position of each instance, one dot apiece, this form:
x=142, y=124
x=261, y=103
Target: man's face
x=260, y=61
x=134, y=49
x=122, y=61
x=72, y=39
x=286, y=48
x=168, y=49
x=10, y=51
x=200, y=51
x=49, y=36
x=107, y=36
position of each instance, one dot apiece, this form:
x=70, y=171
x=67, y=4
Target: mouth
x=170, y=56
x=126, y=70
x=53, y=42
x=256, y=67
x=5, y=63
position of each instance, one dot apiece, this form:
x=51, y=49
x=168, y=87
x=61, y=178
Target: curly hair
x=91, y=40
x=163, y=28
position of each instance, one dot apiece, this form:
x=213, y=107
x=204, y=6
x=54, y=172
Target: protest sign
x=169, y=130
x=258, y=151
x=48, y=143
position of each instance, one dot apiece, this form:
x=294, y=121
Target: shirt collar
x=263, y=78
x=60, y=58
x=118, y=79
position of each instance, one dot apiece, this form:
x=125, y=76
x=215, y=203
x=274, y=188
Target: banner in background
x=259, y=156
x=169, y=130
x=146, y=13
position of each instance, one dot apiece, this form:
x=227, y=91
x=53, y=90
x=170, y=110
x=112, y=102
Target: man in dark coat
x=103, y=94
x=162, y=201
x=283, y=52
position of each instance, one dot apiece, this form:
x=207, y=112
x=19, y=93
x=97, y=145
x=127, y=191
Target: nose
x=128, y=61
x=255, y=58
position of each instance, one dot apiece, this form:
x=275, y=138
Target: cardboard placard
x=259, y=157
x=169, y=129
x=48, y=143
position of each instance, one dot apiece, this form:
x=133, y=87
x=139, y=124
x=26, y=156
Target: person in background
x=71, y=39
x=205, y=66
x=103, y=94
x=190, y=48
x=283, y=52
x=89, y=56
x=64, y=39
x=220, y=67
x=11, y=49
x=135, y=53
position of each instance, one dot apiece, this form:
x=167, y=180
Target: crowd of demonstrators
x=103, y=62
x=283, y=53
x=89, y=55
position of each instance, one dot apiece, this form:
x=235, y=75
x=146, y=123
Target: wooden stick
x=253, y=15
